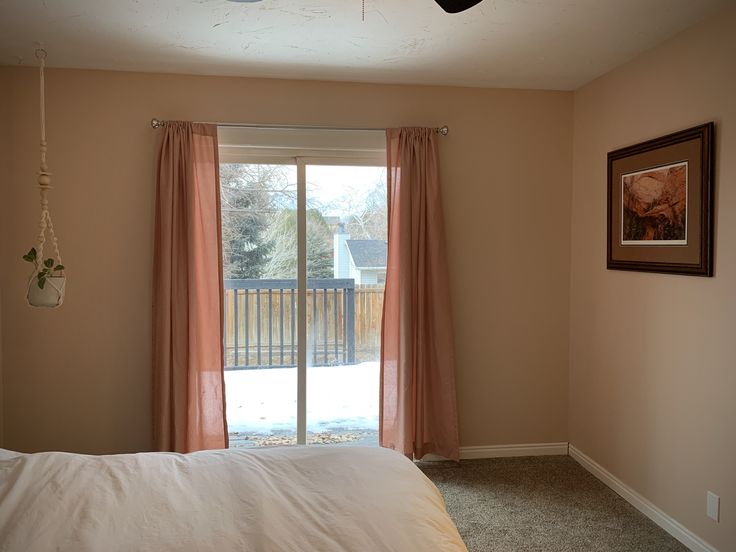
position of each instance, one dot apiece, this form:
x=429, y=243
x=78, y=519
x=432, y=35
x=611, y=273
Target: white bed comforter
x=283, y=499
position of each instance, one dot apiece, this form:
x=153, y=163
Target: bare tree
x=370, y=222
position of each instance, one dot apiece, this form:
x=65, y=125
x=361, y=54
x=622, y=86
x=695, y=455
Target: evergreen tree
x=250, y=194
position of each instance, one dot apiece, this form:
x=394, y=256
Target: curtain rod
x=158, y=123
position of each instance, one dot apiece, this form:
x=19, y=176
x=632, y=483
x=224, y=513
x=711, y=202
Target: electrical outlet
x=713, y=506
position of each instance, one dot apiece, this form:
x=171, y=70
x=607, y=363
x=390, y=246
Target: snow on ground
x=339, y=399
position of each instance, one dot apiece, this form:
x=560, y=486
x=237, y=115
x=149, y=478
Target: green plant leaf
x=59, y=267
x=48, y=263
x=41, y=282
x=30, y=256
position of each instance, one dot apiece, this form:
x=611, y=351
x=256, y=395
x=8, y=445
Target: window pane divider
x=301, y=232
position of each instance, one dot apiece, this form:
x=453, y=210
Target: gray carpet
x=544, y=503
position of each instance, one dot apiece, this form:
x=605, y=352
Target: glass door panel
x=346, y=231
x=259, y=237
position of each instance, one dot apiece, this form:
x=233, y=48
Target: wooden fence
x=343, y=323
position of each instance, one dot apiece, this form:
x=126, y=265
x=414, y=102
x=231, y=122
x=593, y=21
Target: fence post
x=235, y=325
x=351, y=323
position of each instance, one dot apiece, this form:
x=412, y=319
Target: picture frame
x=660, y=204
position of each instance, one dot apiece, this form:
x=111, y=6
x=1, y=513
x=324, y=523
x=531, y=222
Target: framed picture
x=660, y=204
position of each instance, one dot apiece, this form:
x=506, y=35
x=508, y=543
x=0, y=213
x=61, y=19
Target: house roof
x=368, y=253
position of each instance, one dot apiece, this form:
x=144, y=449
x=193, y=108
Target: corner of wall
x=5, y=160
x=2, y=387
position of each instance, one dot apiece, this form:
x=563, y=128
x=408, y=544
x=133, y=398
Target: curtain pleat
x=188, y=377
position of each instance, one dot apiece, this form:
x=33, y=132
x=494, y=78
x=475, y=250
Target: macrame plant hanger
x=47, y=283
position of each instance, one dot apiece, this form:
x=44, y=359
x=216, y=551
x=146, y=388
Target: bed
x=309, y=498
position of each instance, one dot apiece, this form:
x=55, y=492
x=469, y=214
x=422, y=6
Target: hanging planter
x=46, y=286
x=47, y=282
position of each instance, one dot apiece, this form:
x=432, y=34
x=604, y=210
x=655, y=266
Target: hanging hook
x=41, y=54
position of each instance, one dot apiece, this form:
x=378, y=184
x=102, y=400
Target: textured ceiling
x=552, y=44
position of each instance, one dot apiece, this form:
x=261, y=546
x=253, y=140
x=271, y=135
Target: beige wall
x=653, y=357
x=78, y=378
x=5, y=159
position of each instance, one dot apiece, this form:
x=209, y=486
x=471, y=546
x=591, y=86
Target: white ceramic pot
x=52, y=294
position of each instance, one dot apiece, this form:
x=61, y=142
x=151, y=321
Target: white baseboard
x=673, y=527
x=503, y=451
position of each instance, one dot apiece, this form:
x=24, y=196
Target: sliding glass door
x=304, y=262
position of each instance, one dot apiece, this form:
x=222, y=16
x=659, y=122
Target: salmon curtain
x=418, y=406
x=188, y=377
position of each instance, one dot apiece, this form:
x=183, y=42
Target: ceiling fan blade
x=456, y=6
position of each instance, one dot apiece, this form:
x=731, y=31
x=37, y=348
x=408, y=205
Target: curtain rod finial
x=156, y=123
x=443, y=130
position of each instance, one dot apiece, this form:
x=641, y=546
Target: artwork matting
x=660, y=204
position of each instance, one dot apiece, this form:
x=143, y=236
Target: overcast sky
x=338, y=189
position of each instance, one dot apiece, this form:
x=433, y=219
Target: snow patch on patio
x=339, y=399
